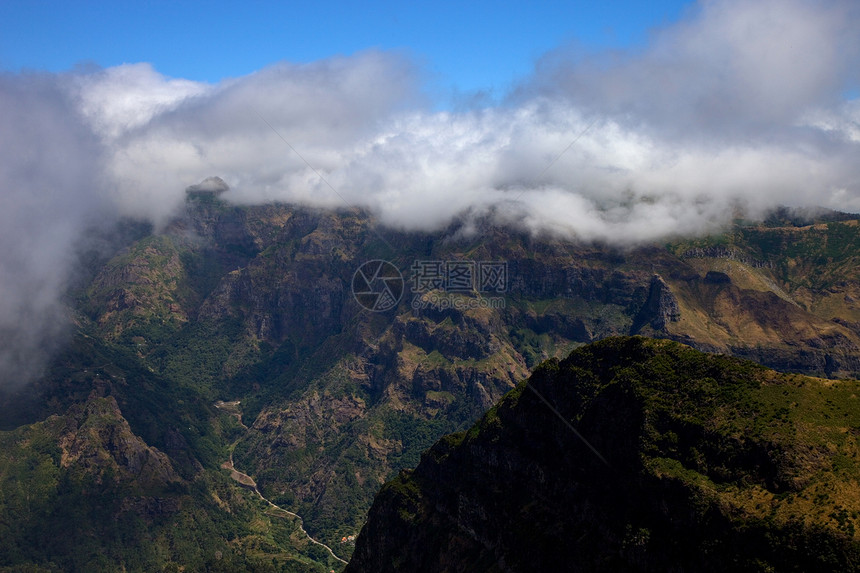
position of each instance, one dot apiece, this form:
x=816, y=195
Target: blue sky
x=461, y=46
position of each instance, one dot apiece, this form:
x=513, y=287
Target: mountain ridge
x=705, y=470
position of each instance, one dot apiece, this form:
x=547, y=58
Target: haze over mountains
x=738, y=106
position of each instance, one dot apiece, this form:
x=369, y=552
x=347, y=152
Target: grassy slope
x=814, y=266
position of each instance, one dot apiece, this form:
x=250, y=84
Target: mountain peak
x=209, y=186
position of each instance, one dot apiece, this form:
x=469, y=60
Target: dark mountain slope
x=712, y=464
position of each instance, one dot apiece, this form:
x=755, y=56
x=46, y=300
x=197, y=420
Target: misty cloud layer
x=741, y=105
x=50, y=163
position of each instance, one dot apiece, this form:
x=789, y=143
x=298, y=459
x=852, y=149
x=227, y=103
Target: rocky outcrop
x=96, y=440
x=660, y=308
x=143, y=287
x=720, y=252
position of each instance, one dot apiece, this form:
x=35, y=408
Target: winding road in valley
x=248, y=482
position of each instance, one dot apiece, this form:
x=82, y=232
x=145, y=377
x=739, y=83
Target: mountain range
x=236, y=334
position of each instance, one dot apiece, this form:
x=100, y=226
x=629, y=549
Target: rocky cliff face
x=633, y=455
x=660, y=308
x=283, y=274
x=96, y=440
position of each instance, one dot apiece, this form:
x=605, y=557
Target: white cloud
x=119, y=99
x=49, y=165
x=717, y=110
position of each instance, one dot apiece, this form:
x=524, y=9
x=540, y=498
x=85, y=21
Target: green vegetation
x=816, y=256
x=72, y=498
x=252, y=304
x=710, y=460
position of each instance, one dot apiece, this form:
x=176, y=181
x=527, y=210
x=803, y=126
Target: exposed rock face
x=283, y=273
x=142, y=286
x=659, y=309
x=97, y=440
x=213, y=185
x=704, y=463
